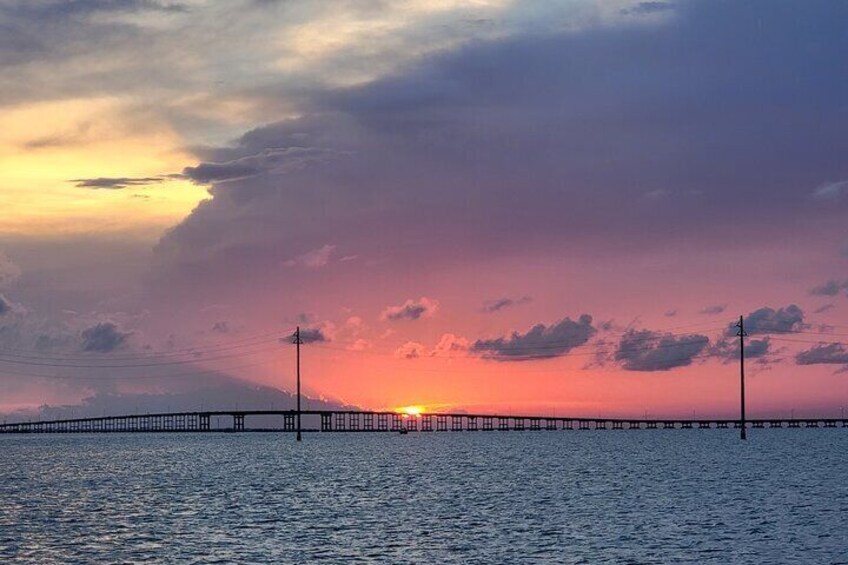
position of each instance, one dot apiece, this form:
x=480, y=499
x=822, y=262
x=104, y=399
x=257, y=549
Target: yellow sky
x=43, y=146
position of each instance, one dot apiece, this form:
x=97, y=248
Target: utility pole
x=297, y=342
x=741, y=333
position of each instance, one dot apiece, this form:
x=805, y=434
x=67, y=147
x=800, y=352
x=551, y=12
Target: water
x=532, y=497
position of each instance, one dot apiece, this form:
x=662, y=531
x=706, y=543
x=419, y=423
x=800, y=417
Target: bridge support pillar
x=412, y=423
x=326, y=422
x=456, y=423
x=238, y=422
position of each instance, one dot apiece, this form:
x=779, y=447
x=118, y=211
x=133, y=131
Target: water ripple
x=599, y=497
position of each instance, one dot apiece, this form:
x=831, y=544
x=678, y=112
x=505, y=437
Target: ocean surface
x=675, y=496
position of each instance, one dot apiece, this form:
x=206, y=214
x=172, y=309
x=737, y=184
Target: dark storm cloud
x=647, y=350
x=824, y=354
x=542, y=138
x=103, y=337
x=715, y=309
x=116, y=183
x=540, y=342
x=501, y=303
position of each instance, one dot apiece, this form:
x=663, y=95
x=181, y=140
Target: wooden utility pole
x=297, y=342
x=741, y=333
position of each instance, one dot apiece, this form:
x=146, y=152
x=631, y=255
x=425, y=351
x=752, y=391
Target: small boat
x=403, y=431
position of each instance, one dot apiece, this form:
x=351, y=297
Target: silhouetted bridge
x=362, y=421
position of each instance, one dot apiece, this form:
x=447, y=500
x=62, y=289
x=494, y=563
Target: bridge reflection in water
x=362, y=421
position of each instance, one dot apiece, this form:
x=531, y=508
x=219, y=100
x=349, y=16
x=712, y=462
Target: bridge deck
x=367, y=421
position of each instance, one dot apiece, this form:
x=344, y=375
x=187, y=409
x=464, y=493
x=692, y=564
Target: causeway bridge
x=369, y=421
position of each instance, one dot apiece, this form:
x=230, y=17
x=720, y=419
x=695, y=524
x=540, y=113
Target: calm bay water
x=519, y=497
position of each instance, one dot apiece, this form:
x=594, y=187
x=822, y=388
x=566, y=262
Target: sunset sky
x=553, y=207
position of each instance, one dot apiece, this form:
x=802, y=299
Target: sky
x=556, y=208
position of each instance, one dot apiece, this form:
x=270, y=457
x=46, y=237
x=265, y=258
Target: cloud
x=410, y=350
x=823, y=308
x=276, y=160
x=829, y=288
x=450, y=344
x=314, y=259
x=360, y=345
x=670, y=313
x=824, y=354
x=116, y=183
x=830, y=190
x=313, y=335
x=222, y=327
x=5, y=306
x=354, y=324
x=762, y=321
x=645, y=8
x=103, y=337
x=713, y=310
x=411, y=310
x=501, y=303
x=540, y=342
x=769, y=320
x=647, y=350
x=594, y=135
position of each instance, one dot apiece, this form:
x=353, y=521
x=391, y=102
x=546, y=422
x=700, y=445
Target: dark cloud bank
x=539, y=139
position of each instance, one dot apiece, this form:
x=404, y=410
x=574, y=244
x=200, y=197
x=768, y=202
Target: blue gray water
x=541, y=497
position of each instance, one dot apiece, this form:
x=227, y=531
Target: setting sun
x=413, y=410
